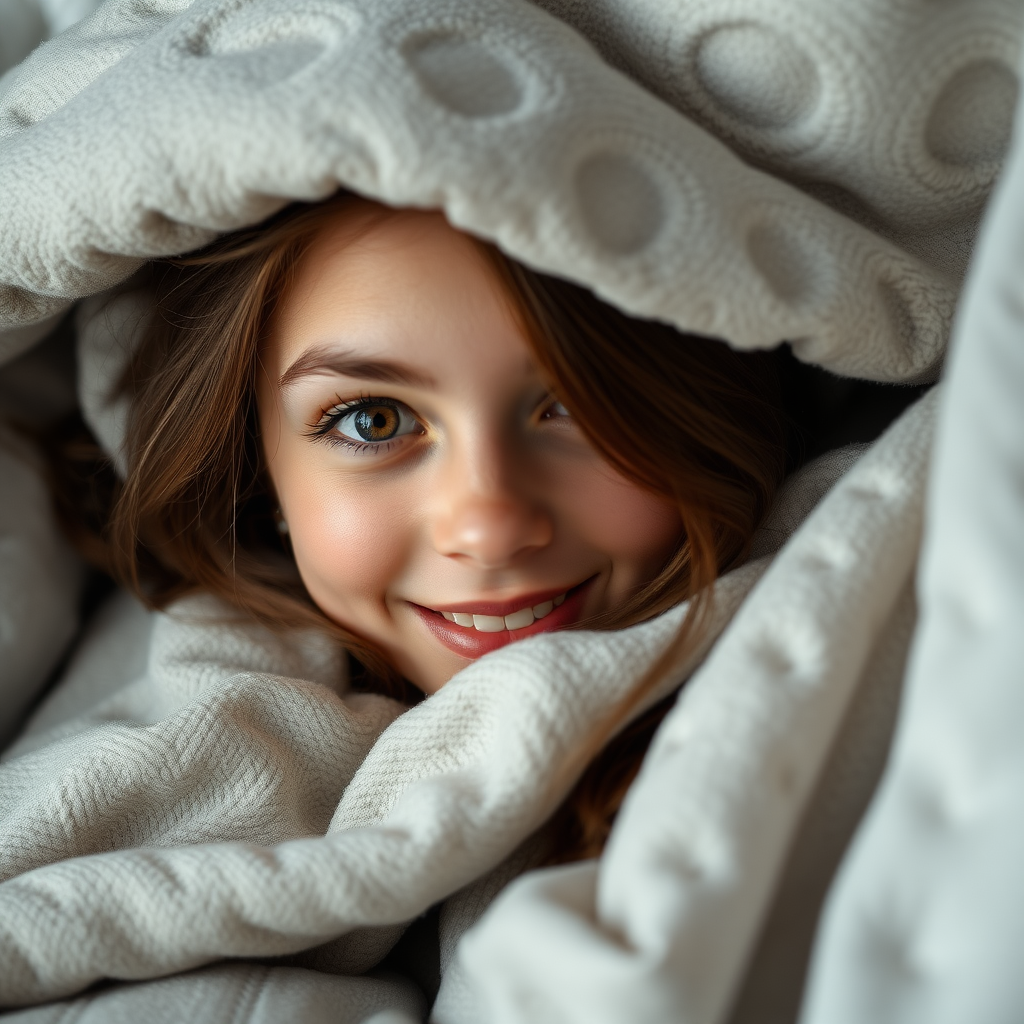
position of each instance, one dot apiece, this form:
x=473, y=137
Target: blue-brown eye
x=371, y=423
x=368, y=422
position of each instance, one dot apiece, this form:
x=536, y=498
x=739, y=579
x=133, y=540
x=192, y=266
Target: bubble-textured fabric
x=149, y=128
x=755, y=170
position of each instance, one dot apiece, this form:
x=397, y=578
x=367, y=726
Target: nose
x=487, y=515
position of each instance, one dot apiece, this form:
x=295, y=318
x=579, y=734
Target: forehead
x=400, y=285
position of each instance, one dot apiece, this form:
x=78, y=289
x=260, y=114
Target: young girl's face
x=440, y=501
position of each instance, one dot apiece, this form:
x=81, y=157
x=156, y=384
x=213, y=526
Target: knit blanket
x=236, y=800
x=197, y=789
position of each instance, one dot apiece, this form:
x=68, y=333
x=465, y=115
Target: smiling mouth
x=476, y=628
x=519, y=619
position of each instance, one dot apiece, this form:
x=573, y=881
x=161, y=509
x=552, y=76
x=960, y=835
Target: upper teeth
x=496, y=623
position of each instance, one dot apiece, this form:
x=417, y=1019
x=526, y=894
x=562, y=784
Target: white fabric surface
x=252, y=747
x=211, y=747
x=40, y=575
x=190, y=776
x=107, y=327
x=896, y=113
x=151, y=129
x=241, y=994
x=661, y=927
x=39, y=583
x=861, y=755
x=24, y=28
x=927, y=920
x=24, y=24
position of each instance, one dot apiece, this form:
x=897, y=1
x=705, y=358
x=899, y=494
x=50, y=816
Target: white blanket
x=148, y=130
x=214, y=793
x=195, y=797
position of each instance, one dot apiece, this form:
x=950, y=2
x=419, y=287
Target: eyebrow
x=325, y=359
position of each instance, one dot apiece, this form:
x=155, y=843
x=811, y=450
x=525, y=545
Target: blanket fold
x=758, y=171
x=439, y=797
x=928, y=915
x=662, y=926
x=209, y=116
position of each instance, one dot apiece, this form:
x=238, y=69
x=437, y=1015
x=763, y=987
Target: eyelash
x=332, y=416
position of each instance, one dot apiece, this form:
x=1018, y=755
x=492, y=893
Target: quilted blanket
x=195, y=789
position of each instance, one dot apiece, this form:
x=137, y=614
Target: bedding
x=195, y=789
x=234, y=799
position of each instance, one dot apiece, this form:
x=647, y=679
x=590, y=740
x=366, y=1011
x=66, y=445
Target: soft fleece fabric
x=754, y=170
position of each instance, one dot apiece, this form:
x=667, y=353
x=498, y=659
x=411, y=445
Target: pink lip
x=471, y=643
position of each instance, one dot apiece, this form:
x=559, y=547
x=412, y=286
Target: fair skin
x=440, y=501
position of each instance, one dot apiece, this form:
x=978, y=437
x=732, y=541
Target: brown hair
x=681, y=415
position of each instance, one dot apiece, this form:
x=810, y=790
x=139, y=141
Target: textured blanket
x=195, y=789
x=195, y=798
x=148, y=130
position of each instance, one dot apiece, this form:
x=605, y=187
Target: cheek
x=636, y=529
x=349, y=545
